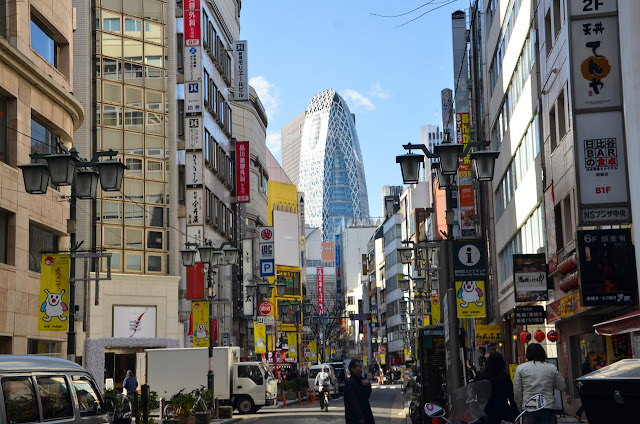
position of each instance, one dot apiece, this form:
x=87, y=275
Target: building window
x=4, y=236
x=43, y=43
x=4, y=130
x=43, y=139
x=40, y=240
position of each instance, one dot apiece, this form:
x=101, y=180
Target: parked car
x=341, y=375
x=313, y=372
x=51, y=388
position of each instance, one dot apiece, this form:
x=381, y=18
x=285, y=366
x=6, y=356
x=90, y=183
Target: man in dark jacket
x=356, y=396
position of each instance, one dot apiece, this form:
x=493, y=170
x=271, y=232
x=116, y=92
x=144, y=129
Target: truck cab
x=254, y=386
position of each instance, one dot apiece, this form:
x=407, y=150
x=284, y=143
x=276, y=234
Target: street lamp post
x=449, y=155
x=65, y=167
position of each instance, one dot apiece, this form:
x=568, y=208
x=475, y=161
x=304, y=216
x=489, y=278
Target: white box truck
x=246, y=386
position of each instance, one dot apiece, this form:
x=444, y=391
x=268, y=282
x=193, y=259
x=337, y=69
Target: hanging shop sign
x=607, y=268
x=530, y=315
x=247, y=268
x=241, y=74
x=488, y=333
x=193, y=63
x=530, y=277
x=565, y=307
x=242, y=172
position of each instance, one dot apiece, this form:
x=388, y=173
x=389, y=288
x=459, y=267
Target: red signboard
x=265, y=308
x=192, y=28
x=191, y=4
x=195, y=282
x=242, y=171
x=214, y=330
x=320, y=271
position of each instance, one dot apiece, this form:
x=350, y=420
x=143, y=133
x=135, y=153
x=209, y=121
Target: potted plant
x=183, y=404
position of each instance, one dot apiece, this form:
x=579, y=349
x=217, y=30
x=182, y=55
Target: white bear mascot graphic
x=201, y=333
x=469, y=293
x=53, y=306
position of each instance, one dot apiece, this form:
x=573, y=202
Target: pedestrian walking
x=357, y=391
x=470, y=371
x=501, y=404
x=130, y=384
x=537, y=376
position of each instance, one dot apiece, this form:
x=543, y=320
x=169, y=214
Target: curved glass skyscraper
x=331, y=169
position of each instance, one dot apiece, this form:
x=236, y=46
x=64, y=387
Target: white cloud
x=357, y=101
x=377, y=91
x=274, y=142
x=268, y=93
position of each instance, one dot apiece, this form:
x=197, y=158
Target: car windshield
x=266, y=370
x=340, y=374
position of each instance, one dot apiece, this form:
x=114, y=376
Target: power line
x=405, y=13
x=421, y=15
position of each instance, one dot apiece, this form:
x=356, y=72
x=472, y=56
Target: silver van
x=35, y=389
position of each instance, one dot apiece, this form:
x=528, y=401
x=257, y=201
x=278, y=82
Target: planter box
x=202, y=417
x=187, y=420
x=225, y=412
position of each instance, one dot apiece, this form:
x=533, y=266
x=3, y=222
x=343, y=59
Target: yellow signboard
x=426, y=320
x=512, y=370
x=383, y=358
x=292, y=341
x=470, y=299
x=407, y=354
x=259, y=338
x=364, y=360
x=597, y=361
x=200, y=313
x=435, y=310
x=54, y=293
x=488, y=333
x=313, y=350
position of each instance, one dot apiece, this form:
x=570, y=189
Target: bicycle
x=169, y=411
x=200, y=405
x=324, y=401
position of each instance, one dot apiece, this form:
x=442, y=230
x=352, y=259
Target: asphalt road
x=386, y=404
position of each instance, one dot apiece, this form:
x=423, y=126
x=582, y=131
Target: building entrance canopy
x=620, y=325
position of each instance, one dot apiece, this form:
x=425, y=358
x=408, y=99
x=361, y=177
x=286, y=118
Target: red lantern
x=539, y=336
x=553, y=336
x=525, y=336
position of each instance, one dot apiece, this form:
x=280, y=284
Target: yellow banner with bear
x=200, y=313
x=54, y=293
x=259, y=338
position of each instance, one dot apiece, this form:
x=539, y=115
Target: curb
x=226, y=421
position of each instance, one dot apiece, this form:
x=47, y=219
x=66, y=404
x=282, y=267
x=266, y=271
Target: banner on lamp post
x=292, y=341
x=54, y=293
x=320, y=273
x=259, y=338
x=200, y=313
x=313, y=350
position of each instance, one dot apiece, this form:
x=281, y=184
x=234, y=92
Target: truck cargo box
x=171, y=370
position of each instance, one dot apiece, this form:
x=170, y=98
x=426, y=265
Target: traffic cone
x=299, y=400
x=284, y=400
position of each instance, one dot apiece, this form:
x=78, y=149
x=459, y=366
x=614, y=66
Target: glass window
x=112, y=236
x=153, y=10
x=4, y=236
x=133, y=96
x=132, y=27
x=110, y=21
x=133, y=214
x=40, y=240
x=134, y=166
x=153, y=55
x=20, y=402
x=42, y=42
x=153, y=78
x=111, y=45
x=153, y=32
x=133, y=261
x=54, y=397
x=155, y=192
x=43, y=139
x=154, y=170
x=113, y=4
x=155, y=123
x=133, y=238
x=112, y=92
x=132, y=7
x=132, y=73
x=155, y=216
x=89, y=401
x=111, y=139
x=4, y=130
x=155, y=146
x=111, y=212
x=116, y=265
x=133, y=50
x=134, y=144
x=134, y=190
x=154, y=239
x=112, y=116
x=111, y=69
x=134, y=120
x=154, y=263
x=154, y=100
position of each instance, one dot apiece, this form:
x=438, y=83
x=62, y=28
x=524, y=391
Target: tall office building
x=291, y=140
x=331, y=169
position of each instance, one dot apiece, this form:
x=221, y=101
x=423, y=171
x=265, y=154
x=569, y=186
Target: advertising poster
x=54, y=293
x=200, y=313
x=607, y=267
x=313, y=350
x=134, y=321
x=259, y=338
x=530, y=277
x=292, y=341
x=470, y=299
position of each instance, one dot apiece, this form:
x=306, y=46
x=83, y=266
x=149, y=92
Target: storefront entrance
x=116, y=365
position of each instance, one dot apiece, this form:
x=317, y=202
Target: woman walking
x=537, y=376
x=501, y=405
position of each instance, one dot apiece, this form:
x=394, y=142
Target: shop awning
x=620, y=325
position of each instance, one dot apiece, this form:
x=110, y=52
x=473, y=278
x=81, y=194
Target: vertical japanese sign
x=338, y=271
x=599, y=138
x=248, y=307
x=242, y=171
x=550, y=228
x=54, y=293
x=267, y=261
x=214, y=330
x=241, y=75
x=465, y=181
x=200, y=314
x=292, y=341
x=191, y=22
x=195, y=281
x=259, y=338
x=530, y=277
x=448, y=125
x=320, y=274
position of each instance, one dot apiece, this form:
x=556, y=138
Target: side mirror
x=433, y=410
x=535, y=403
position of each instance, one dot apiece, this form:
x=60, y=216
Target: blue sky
x=391, y=78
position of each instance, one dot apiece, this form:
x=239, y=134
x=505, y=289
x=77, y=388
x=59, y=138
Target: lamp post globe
x=230, y=255
x=206, y=253
x=484, y=163
x=216, y=258
x=449, y=155
x=111, y=174
x=410, y=167
x=36, y=177
x=188, y=256
x=263, y=288
x=61, y=168
x=280, y=287
x=284, y=307
x=86, y=183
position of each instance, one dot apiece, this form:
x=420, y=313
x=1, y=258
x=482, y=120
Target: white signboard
x=247, y=268
x=582, y=8
x=241, y=75
x=193, y=136
x=193, y=63
x=601, y=158
x=595, y=61
x=266, y=251
x=134, y=321
x=193, y=169
x=266, y=319
x=195, y=234
x=193, y=98
x=195, y=207
x=266, y=234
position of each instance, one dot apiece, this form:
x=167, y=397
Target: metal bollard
x=314, y=395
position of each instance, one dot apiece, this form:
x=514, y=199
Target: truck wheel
x=245, y=405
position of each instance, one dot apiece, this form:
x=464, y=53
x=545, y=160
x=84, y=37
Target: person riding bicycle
x=324, y=381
